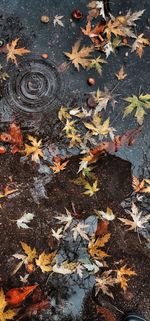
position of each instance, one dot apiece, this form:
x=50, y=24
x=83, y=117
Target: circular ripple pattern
x=35, y=86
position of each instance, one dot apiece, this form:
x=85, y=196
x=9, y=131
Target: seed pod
x=77, y=15
x=91, y=81
x=44, y=19
x=45, y=56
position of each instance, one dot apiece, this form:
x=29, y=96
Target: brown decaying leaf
x=79, y=57
x=34, y=309
x=121, y=74
x=106, y=313
x=102, y=228
x=12, y=51
x=13, y=137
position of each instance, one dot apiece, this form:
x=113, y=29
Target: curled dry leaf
x=16, y=296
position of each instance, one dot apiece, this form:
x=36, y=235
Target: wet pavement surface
x=32, y=97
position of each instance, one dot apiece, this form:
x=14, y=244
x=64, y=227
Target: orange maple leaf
x=13, y=51
x=58, y=166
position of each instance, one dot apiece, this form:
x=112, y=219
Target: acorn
x=91, y=81
x=45, y=56
x=77, y=14
x=44, y=19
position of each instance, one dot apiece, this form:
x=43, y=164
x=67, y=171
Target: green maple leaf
x=138, y=104
x=96, y=63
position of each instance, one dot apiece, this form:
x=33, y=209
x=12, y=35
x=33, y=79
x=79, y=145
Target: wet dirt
x=46, y=195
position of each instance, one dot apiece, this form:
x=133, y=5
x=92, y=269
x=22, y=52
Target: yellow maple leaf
x=44, y=261
x=79, y=57
x=121, y=273
x=31, y=253
x=95, y=246
x=91, y=189
x=13, y=51
x=121, y=74
x=69, y=126
x=58, y=166
x=75, y=139
x=8, y=314
x=63, y=113
x=35, y=149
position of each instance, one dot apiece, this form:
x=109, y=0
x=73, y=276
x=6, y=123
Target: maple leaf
x=13, y=51
x=95, y=246
x=108, y=215
x=30, y=253
x=139, y=104
x=102, y=98
x=79, y=270
x=137, y=185
x=130, y=18
x=57, y=234
x=113, y=27
x=63, y=113
x=138, y=220
x=58, y=166
x=96, y=63
x=79, y=229
x=35, y=149
x=79, y=57
x=121, y=74
x=65, y=219
x=45, y=261
x=146, y=189
x=98, y=128
x=8, y=314
x=139, y=44
x=121, y=273
x=75, y=139
x=95, y=32
x=57, y=21
x=24, y=220
x=69, y=126
x=91, y=189
x=104, y=282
